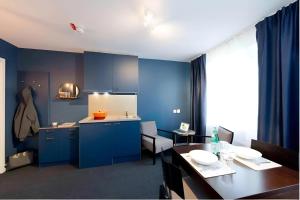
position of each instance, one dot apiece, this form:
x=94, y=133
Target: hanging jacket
x=26, y=121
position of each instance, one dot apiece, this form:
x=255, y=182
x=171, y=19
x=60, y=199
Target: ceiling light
x=148, y=18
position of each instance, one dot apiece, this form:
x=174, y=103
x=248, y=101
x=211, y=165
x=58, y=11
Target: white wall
x=232, y=87
x=2, y=115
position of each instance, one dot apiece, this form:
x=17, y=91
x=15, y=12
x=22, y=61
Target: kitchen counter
x=110, y=119
x=58, y=127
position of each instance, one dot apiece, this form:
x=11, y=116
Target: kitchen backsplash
x=113, y=104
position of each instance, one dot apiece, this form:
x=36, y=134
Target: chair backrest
x=277, y=154
x=225, y=134
x=149, y=128
x=172, y=177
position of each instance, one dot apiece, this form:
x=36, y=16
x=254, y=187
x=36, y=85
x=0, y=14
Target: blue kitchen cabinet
x=95, y=147
x=98, y=72
x=69, y=145
x=105, y=143
x=57, y=145
x=127, y=141
x=74, y=147
x=65, y=146
x=110, y=73
x=49, y=146
x=125, y=74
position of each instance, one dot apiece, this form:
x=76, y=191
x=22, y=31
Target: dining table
x=279, y=182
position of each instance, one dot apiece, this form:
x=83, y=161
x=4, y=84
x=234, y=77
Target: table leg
x=175, y=139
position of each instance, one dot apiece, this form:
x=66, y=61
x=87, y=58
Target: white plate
x=203, y=157
x=247, y=153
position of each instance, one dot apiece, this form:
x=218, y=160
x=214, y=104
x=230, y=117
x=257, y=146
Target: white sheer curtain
x=232, y=87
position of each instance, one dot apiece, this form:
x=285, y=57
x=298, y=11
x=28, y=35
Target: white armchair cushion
x=149, y=128
x=160, y=143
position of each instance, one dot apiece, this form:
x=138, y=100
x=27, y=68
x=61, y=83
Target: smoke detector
x=77, y=28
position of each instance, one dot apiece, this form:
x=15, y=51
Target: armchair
x=152, y=141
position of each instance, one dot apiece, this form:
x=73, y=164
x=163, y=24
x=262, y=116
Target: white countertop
x=56, y=127
x=110, y=119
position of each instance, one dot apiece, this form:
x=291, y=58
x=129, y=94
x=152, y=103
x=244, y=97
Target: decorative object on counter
x=100, y=115
x=26, y=120
x=66, y=124
x=68, y=91
x=54, y=124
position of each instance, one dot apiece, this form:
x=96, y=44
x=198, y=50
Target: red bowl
x=100, y=115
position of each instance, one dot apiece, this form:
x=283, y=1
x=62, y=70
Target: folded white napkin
x=207, y=171
x=258, y=163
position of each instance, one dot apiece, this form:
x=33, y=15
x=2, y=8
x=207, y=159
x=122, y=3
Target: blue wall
x=164, y=86
x=63, y=67
x=9, y=52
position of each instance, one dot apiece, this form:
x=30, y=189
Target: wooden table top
x=246, y=182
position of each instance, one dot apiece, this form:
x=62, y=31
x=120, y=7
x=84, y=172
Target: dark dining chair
x=174, y=185
x=285, y=157
x=225, y=134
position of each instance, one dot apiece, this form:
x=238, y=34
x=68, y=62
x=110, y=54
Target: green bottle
x=215, y=141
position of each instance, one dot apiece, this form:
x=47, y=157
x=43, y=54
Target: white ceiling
x=184, y=28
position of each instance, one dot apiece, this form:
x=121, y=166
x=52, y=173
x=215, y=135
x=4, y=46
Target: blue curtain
x=278, y=60
x=198, y=104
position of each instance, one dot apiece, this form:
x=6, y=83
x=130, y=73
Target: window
x=232, y=87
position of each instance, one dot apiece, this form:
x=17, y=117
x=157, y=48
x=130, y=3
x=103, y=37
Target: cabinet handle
x=49, y=131
x=118, y=123
x=107, y=124
x=50, y=138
